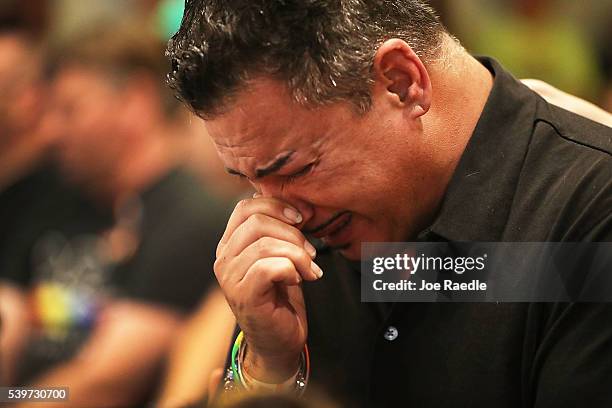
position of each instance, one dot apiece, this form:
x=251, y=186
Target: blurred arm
x=119, y=362
x=569, y=102
x=14, y=329
x=200, y=348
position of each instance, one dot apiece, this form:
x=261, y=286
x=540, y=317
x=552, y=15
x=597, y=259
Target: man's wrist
x=270, y=370
x=286, y=386
x=266, y=373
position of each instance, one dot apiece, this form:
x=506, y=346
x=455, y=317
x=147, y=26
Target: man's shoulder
x=565, y=186
x=589, y=137
x=572, y=152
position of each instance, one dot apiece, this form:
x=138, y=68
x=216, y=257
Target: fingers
x=258, y=226
x=262, y=241
x=264, y=273
x=271, y=207
x=268, y=247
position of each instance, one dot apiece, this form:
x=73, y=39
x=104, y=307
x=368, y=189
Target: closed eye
x=235, y=173
x=292, y=177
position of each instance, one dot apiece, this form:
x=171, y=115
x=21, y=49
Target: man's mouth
x=332, y=226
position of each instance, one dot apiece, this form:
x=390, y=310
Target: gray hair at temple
x=323, y=50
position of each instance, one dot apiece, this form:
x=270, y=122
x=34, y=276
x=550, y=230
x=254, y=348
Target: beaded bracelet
x=235, y=373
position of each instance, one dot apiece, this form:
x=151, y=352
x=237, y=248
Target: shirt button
x=391, y=333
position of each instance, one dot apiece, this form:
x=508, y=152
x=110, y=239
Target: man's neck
x=461, y=87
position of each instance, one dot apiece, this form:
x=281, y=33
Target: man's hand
x=261, y=260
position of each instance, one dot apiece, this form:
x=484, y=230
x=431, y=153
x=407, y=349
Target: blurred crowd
x=112, y=200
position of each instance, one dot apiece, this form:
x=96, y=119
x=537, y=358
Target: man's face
x=354, y=178
x=89, y=107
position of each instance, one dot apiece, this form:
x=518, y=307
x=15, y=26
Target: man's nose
x=289, y=196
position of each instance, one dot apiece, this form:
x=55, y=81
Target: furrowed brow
x=275, y=166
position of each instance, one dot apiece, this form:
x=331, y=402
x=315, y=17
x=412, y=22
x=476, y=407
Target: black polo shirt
x=531, y=172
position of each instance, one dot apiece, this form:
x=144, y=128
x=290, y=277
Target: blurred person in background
x=26, y=139
x=108, y=287
x=22, y=141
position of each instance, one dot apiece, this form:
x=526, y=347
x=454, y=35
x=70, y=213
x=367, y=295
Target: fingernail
x=292, y=215
x=316, y=270
x=310, y=249
x=256, y=195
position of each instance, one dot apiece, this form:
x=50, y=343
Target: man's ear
x=401, y=76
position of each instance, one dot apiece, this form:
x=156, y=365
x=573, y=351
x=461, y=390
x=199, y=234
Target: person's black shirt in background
x=54, y=245
x=40, y=202
x=181, y=226
x=47, y=243
x=531, y=172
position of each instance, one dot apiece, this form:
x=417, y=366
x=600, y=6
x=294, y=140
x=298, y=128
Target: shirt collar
x=477, y=202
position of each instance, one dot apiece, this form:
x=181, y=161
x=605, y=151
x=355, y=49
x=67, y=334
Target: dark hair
x=322, y=49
